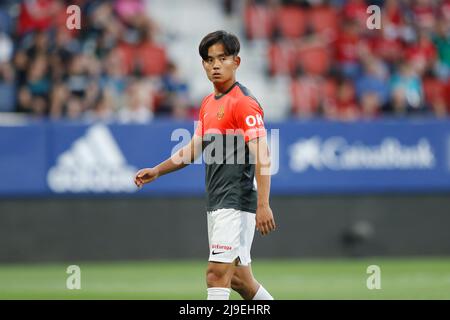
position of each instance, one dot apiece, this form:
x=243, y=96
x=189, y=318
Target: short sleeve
x=249, y=118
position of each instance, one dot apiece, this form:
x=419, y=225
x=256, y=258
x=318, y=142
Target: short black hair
x=229, y=41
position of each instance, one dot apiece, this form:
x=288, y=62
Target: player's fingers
x=141, y=173
x=263, y=228
x=259, y=227
x=272, y=224
x=268, y=227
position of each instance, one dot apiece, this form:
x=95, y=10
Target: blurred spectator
x=151, y=57
x=101, y=111
x=421, y=54
x=59, y=96
x=6, y=47
x=37, y=15
x=133, y=14
x=370, y=104
x=392, y=19
x=436, y=95
x=406, y=90
x=7, y=88
x=36, y=91
x=146, y=58
x=138, y=108
x=445, y=9
x=306, y=94
x=424, y=13
x=74, y=108
x=441, y=39
x=20, y=63
x=347, y=49
x=39, y=44
x=174, y=95
x=355, y=10
x=341, y=103
x=77, y=77
x=6, y=21
x=114, y=78
x=61, y=53
x=372, y=86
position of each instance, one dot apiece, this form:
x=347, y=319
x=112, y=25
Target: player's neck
x=222, y=88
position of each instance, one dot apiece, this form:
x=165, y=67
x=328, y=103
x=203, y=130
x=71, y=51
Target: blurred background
x=358, y=121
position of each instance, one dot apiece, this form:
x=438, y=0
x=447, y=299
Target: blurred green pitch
x=421, y=278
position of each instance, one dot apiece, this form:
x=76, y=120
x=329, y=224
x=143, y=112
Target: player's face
x=220, y=67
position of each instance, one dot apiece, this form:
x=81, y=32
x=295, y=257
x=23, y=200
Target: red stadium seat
x=434, y=90
x=305, y=96
x=314, y=60
x=324, y=19
x=149, y=58
x=281, y=58
x=127, y=55
x=291, y=21
x=329, y=90
x=258, y=22
x=153, y=59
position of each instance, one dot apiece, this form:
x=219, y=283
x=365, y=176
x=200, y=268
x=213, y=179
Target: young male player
x=231, y=124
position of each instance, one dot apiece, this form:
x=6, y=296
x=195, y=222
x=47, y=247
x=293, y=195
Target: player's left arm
x=249, y=118
x=265, y=222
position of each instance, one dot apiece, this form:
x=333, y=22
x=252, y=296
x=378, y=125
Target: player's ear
x=237, y=61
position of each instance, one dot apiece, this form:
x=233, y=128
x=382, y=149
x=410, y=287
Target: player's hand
x=264, y=220
x=144, y=176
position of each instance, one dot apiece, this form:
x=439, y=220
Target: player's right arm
x=177, y=161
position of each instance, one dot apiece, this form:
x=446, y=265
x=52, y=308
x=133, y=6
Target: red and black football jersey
x=226, y=123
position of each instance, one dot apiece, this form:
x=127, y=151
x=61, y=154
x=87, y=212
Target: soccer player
x=232, y=136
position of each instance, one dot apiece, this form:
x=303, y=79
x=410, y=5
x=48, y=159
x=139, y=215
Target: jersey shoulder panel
x=246, y=94
x=246, y=105
x=248, y=117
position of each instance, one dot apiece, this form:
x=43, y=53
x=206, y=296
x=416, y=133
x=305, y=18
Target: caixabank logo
x=338, y=154
x=94, y=163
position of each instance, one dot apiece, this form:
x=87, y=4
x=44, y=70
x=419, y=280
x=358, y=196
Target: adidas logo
x=94, y=163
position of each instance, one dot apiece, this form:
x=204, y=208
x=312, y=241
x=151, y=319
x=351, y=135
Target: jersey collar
x=223, y=94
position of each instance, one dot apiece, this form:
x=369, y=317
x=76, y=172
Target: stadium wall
x=88, y=229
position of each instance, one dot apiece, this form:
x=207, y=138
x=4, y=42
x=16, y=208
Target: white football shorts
x=230, y=235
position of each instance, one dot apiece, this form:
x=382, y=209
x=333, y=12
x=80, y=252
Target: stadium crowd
x=110, y=69
x=341, y=69
x=114, y=68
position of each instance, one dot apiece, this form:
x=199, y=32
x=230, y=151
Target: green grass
x=285, y=279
